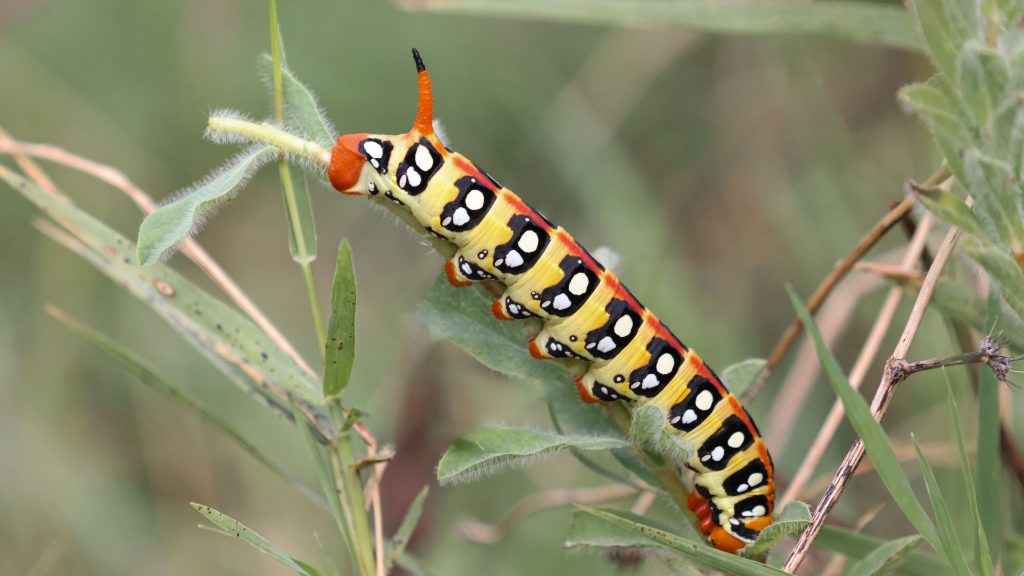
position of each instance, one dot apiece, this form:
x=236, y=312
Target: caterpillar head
x=356, y=156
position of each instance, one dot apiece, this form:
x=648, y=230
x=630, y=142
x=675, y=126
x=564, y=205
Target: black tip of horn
x=419, y=61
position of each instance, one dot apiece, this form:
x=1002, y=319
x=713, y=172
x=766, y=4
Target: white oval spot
x=623, y=326
x=742, y=488
x=650, y=381
x=736, y=440
x=529, y=241
x=561, y=302
x=414, y=177
x=579, y=283
x=373, y=149
x=606, y=344
x=423, y=158
x=513, y=259
x=689, y=417
x=755, y=479
x=460, y=216
x=718, y=453
x=758, y=511
x=475, y=200
x=665, y=364
x=704, y=400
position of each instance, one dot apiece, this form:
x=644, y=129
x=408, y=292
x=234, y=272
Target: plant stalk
x=270, y=134
x=350, y=490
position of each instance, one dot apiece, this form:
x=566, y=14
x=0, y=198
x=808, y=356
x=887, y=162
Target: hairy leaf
x=492, y=448
x=739, y=376
x=790, y=522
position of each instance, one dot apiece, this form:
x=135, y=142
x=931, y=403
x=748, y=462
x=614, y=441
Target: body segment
x=587, y=313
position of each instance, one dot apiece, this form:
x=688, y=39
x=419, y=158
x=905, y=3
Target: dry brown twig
x=860, y=367
x=833, y=278
x=891, y=377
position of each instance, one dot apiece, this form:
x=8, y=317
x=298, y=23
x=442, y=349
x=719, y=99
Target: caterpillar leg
x=461, y=271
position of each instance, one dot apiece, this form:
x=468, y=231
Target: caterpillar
x=585, y=312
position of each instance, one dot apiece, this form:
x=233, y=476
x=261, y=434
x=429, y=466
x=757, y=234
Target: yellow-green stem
x=350, y=490
x=269, y=134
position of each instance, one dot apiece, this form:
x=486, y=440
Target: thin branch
x=860, y=367
x=841, y=269
x=883, y=397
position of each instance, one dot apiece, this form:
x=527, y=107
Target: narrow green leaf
x=739, y=376
x=983, y=80
x=172, y=222
x=231, y=527
x=302, y=114
x=885, y=557
x=236, y=346
x=463, y=315
x=876, y=443
x=997, y=201
x=983, y=556
x=1001, y=266
x=951, y=548
x=401, y=538
x=931, y=102
x=137, y=367
x=696, y=552
x=341, y=332
x=936, y=25
x=790, y=522
x=990, y=466
x=855, y=545
x=874, y=24
x=587, y=531
x=951, y=209
x=492, y=448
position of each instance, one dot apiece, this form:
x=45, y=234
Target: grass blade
x=492, y=448
x=161, y=231
x=882, y=559
x=876, y=443
x=145, y=374
x=695, y=552
x=405, y=529
x=855, y=545
x=983, y=553
x=231, y=527
x=874, y=24
x=341, y=332
x=951, y=548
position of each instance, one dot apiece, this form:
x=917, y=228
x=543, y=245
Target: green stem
x=269, y=134
x=350, y=489
x=314, y=307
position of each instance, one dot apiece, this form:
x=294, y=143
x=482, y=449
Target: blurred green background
x=718, y=168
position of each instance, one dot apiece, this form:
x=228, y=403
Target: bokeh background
x=717, y=168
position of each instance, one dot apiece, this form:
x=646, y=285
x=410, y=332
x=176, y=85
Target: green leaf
x=931, y=102
x=990, y=466
x=341, y=333
x=983, y=78
x=790, y=522
x=951, y=548
x=997, y=199
x=696, y=552
x=302, y=114
x=236, y=346
x=405, y=529
x=876, y=443
x=885, y=556
x=172, y=222
x=588, y=531
x=854, y=545
x=148, y=376
x=1003, y=269
x=874, y=24
x=983, y=556
x=492, y=448
x=739, y=376
x=231, y=527
x=951, y=209
x=936, y=25
x=463, y=315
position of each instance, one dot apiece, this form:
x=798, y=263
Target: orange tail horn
x=425, y=108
